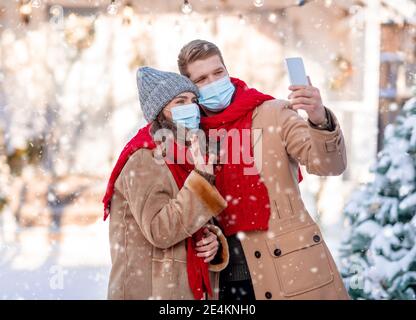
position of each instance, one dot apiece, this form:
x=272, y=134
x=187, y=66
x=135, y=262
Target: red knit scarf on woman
x=197, y=269
x=248, y=201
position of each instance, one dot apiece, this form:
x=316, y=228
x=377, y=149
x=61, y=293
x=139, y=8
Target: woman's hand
x=198, y=158
x=207, y=247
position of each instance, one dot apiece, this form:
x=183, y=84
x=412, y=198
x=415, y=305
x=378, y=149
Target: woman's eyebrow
x=181, y=97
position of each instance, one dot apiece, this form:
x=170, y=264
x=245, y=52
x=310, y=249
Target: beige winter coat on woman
x=149, y=222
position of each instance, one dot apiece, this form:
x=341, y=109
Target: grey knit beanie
x=158, y=88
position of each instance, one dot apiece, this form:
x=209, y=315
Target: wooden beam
x=372, y=61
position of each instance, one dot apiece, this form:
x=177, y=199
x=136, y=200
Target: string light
x=258, y=3
x=57, y=16
x=56, y=10
x=25, y=11
x=112, y=8
x=128, y=13
x=36, y=4
x=328, y=3
x=272, y=17
x=186, y=7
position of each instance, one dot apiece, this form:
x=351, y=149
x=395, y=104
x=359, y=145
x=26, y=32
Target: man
x=276, y=249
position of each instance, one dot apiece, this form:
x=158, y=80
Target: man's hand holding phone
x=304, y=95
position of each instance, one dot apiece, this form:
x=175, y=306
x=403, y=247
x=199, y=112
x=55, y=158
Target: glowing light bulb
x=26, y=9
x=56, y=10
x=273, y=17
x=128, y=11
x=36, y=3
x=258, y=3
x=186, y=7
x=112, y=8
x=328, y=3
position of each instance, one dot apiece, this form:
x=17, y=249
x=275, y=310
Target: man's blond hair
x=196, y=50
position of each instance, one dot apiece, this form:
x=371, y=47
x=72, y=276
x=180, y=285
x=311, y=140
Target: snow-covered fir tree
x=378, y=255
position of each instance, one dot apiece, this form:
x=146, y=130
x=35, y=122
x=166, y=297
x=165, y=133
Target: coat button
x=257, y=254
x=316, y=238
x=268, y=295
x=277, y=252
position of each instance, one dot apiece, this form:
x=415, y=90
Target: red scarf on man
x=197, y=269
x=248, y=201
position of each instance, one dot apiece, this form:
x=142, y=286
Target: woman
x=162, y=246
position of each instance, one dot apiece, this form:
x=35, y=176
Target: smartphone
x=296, y=70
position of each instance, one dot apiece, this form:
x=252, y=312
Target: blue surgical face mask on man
x=217, y=95
x=187, y=115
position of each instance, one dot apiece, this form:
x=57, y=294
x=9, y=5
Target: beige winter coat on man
x=149, y=222
x=291, y=260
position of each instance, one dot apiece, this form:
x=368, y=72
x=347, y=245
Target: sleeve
x=329, y=127
x=166, y=218
x=322, y=152
x=222, y=257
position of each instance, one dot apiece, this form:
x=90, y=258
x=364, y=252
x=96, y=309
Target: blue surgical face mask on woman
x=187, y=115
x=217, y=95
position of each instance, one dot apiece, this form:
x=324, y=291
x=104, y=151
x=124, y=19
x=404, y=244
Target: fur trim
x=222, y=258
x=206, y=192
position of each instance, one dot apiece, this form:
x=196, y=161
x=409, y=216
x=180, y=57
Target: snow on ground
x=35, y=264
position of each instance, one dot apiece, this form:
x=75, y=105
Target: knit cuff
x=330, y=124
x=222, y=257
x=209, y=177
x=206, y=193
